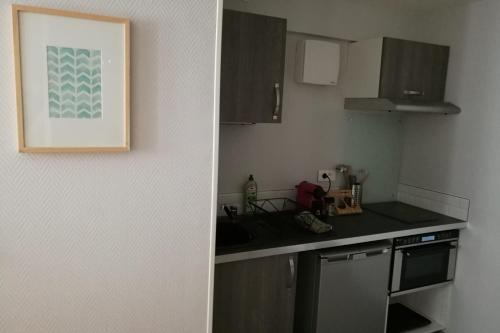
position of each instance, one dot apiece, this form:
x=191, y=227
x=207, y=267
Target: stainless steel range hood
x=400, y=105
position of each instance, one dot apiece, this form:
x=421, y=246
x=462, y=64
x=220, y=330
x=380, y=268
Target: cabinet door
x=413, y=70
x=255, y=295
x=252, y=68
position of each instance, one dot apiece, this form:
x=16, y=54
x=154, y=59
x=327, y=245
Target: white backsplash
x=442, y=203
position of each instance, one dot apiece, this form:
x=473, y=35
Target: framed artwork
x=72, y=81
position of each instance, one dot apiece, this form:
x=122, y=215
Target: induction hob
x=402, y=212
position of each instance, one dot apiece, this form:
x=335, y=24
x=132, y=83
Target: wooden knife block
x=343, y=202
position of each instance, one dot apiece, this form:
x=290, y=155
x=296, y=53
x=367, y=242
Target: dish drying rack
x=289, y=211
x=275, y=205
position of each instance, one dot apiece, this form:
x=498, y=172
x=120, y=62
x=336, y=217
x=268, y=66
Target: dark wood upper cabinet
x=397, y=69
x=413, y=70
x=255, y=295
x=252, y=68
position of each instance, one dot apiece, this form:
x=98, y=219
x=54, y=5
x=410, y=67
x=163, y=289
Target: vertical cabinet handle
x=291, y=276
x=278, y=101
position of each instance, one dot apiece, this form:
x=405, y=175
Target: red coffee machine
x=310, y=196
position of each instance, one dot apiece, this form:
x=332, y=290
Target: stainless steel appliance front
x=338, y=287
x=424, y=261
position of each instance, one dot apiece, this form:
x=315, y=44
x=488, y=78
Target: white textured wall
x=316, y=132
x=461, y=155
x=117, y=242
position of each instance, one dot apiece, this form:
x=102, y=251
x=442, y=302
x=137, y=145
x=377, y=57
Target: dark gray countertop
x=278, y=234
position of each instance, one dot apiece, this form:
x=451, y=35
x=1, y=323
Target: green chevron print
x=74, y=83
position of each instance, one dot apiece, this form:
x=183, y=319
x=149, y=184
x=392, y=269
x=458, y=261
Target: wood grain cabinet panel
x=413, y=70
x=255, y=295
x=252, y=68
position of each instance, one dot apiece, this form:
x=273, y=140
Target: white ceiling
x=419, y=5
x=434, y=4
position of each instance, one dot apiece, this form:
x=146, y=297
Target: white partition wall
x=459, y=155
x=118, y=243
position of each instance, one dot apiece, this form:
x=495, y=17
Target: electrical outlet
x=330, y=173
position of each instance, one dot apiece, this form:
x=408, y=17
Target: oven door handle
x=428, y=249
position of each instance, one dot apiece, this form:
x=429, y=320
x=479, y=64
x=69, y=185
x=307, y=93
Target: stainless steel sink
x=232, y=234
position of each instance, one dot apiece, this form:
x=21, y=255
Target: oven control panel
x=425, y=238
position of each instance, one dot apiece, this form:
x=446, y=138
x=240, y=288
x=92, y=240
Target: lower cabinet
x=255, y=295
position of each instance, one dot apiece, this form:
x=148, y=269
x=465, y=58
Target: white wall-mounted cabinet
x=317, y=62
x=363, y=69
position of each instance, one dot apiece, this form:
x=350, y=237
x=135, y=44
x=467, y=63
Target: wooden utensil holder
x=343, y=202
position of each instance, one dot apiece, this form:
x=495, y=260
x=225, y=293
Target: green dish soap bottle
x=250, y=194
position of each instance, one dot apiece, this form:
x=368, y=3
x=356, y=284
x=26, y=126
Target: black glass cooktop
x=402, y=212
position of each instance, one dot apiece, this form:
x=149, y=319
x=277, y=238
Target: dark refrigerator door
x=424, y=266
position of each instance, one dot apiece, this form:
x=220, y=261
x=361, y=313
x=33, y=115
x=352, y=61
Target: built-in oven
x=423, y=260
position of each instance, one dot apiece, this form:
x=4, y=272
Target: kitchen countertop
x=277, y=234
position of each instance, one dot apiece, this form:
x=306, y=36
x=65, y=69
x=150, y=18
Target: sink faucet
x=231, y=212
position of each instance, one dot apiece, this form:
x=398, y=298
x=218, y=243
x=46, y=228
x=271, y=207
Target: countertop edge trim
x=226, y=258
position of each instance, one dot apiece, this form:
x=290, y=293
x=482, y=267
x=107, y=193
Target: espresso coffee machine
x=311, y=197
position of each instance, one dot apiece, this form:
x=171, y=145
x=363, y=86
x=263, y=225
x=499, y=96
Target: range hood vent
x=401, y=105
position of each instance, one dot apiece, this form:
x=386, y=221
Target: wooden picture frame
x=63, y=109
